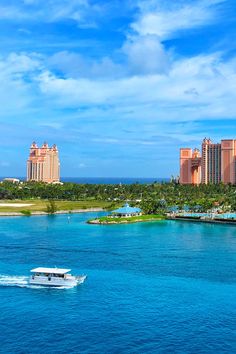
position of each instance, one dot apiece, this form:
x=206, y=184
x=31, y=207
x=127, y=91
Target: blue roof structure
x=126, y=209
x=173, y=208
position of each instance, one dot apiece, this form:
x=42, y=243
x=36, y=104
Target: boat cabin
x=50, y=272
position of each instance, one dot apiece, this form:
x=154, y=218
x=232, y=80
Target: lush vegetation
x=38, y=205
x=51, y=207
x=25, y=212
x=152, y=198
x=122, y=220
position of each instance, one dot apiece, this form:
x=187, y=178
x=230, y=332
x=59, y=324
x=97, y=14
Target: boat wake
x=81, y=278
x=7, y=280
x=22, y=282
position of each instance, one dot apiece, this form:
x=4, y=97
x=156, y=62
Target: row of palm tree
x=151, y=197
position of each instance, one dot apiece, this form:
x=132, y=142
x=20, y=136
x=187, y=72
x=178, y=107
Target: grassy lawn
x=140, y=218
x=40, y=205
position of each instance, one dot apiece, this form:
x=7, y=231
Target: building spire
x=45, y=145
x=33, y=145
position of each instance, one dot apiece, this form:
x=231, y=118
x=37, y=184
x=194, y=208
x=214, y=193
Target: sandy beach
x=8, y=213
x=15, y=205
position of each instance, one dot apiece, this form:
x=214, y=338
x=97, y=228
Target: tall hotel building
x=190, y=166
x=216, y=163
x=211, y=162
x=43, y=164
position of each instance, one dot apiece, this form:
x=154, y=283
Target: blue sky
x=118, y=85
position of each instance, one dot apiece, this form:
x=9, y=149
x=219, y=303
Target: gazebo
x=126, y=211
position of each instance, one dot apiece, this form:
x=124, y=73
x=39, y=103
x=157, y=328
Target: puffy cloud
x=75, y=65
x=20, y=63
x=16, y=90
x=146, y=55
x=195, y=88
x=140, y=55
x=143, y=52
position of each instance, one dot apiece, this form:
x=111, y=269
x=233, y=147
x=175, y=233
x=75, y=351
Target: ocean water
x=161, y=287
x=114, y=180
x=108, y=180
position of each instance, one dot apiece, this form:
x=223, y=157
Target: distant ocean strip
x=108, y=180
x=113, y=180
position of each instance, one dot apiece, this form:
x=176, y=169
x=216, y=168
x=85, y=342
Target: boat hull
x=56, y=282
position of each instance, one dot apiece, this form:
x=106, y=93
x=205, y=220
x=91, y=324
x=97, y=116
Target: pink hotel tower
x=216, y=163
x=43, y=164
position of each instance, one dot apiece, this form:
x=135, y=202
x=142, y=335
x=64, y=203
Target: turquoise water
x=165, y=287
x=227, y=216
x=195, y=214
x=221, y=216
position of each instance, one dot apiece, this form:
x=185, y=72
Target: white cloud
x=146, y=55
x=24, y=31
x=166, y=19
x=12, y=13
x=81, y=11
x=20, y=63
x=143, y=52
x=16, y=89
x=140, y=55
x=196, y=88
x=76, y=65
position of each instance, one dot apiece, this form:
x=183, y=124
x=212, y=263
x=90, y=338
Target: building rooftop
x=50, y=270
x=126, y=209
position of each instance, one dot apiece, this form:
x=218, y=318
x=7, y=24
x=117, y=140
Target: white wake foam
x=13, y=280
x=22, y=282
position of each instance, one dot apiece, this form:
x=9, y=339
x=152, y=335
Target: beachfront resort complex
x=214, y=164
x=43, y=164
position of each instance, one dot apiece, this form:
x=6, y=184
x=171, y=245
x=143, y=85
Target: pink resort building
x=190, y=166
x=216, y=163
x=43, y=164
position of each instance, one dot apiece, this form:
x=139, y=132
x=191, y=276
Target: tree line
x=151, y=197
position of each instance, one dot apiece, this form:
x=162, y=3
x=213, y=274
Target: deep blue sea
x=161, y=287
x=108, y=180
x=114, y=180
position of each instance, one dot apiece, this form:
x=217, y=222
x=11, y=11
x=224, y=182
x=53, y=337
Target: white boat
x=55, y=277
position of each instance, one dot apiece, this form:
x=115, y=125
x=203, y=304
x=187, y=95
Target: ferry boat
x=55, y=277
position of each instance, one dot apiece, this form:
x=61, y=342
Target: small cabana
x=126, y=211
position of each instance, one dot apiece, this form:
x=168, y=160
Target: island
x=124, y=215
x=106, y=220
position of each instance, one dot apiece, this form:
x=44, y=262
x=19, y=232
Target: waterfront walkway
x=205, y=218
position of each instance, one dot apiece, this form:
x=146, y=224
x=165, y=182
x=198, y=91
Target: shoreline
x=97, y=222
x=35, y=213
x=207, y=221
x=114, y=221
x=122, y=222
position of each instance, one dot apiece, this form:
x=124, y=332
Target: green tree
x=51, y=207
